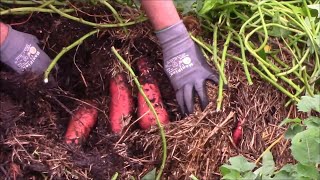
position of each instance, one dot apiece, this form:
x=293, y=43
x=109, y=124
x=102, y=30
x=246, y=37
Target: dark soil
x=34, y=116
x=38, y=114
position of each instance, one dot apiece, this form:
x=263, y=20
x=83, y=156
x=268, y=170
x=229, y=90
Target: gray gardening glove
x=185, y=66
x=21, y=52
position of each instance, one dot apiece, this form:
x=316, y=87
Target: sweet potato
x=81, y=124
x=237, y=133
x=152, y=91
x=121, y=103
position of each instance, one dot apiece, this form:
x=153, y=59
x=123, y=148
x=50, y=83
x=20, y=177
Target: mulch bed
x=34, y=116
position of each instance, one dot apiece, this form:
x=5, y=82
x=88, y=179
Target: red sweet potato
x=121, y=103
x=237, y=133
x=152, y=91
x=81, y=124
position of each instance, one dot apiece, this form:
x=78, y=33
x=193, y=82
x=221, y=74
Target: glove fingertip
x=204, y=103
x=202, y=93
x=180, y=100
x=188, y=97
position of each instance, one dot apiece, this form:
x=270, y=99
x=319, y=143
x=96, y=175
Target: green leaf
x=288, y=168
x=288, y=120
x=238, y=163
x=283, y=175
x=317, y=40
x=286, y=172
x=249, y=175
x=293, y=130
x=150, y=175
x=316, y=7
x=186, y=6
x=312, y=121
x=277, y=31
x=308, y=103
x=308, y=21
x=241, y=164
x=297, y=10
x=199, y=5
x=268, y=165
x=308, y=171
x=224, y=170
x=231, y=174
x=208, y=5
x=262, y=54
x=305, y=146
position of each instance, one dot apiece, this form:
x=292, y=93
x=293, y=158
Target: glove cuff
x=5, y=44
x=179, y=25
x=172, y=37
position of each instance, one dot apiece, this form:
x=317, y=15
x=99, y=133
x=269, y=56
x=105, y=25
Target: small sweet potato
x=152, y=91
x=80, y=125
x=237, y=133
x=121, y=103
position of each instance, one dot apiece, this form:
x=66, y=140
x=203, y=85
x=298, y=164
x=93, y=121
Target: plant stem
x=31, y=2
x=115, y=176
x=223, y=61
x=233, y=3
x=313, y=29
x=115, y=14
x=261, y=61
x=286, y=66
x=232, y=41
x=46, y=3
x=163, y=137
x=243, y=55
x=296, y=95
x=264, y=30
x=245, y=24
x=221, y=73
x=304, y=74
x=295, y=66
x=63, y=51
x=262, y=75
x=25, y=10
x=104, y=25
x=268, y=148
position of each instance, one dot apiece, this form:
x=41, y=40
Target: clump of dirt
x=34, y=117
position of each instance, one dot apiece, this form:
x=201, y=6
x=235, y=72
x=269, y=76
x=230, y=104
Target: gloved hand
x=185, y=66
x=21, y=52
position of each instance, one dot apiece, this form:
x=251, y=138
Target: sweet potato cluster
x=121, y=106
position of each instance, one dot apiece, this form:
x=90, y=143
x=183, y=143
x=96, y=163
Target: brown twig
x=220, y=125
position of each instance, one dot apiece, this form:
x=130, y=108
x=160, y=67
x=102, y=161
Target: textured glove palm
x=185, y=66
x=21, y=52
